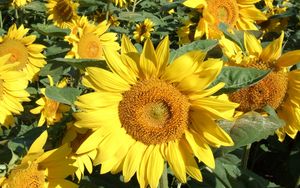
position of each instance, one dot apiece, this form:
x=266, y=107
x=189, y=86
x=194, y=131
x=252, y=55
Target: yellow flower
x=122, y=3
x=51, y=111
x=83, y=160
x=42, y=169
x=184, y=33
x=19, y=3
x=145, y=111
x=23, y=50
x=275, y=24
x=62, y=12
x=279, y=89
x=88, y=39
x=12, y=90
x=143, y=30
x=238, y=14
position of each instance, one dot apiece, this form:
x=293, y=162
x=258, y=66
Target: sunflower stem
x=246, y=156
x=163, y=182
x=107, y=10
x=1, y=20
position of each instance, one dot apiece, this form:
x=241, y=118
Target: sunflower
x=42, y=169
x=51, y=111
x=122, y=3
x=23, y=51
x=88, y=39
x=12, y=90
x=19, y=3
x=238, y=14
x=83, y=160
x=62, y=12
x=143, y=30
x=184, y=33
x=280, y=89
x=147, y=111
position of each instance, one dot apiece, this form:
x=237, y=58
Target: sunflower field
x=149, y=93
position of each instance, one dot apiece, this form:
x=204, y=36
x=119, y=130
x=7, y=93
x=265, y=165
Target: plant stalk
x=163, y=182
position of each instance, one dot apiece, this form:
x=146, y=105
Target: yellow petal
x=252, y=13
x=133, y=160
x=142, y=172
x=205, y=125
x=38, y=144
x=155, y=167
x=252, y=45
x=175, y=160
x=273, y=51
x=183, y=66
x=101, y=79
x=201, y=150
x=127, y=46
x=288, y=59
x=163, y=53
x=195, y=3
x=115, y=63
x=148, y=60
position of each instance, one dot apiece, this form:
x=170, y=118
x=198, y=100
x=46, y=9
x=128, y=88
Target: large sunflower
x=88, y=39
x=12, y=90
x=23, y=51
x=62, y=12
x=279, y=89
x=238, y=14
x=147, y=111
x=42, y=169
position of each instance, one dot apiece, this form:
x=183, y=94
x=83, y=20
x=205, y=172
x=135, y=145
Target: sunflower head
x=241, y=15
x=279, y=89
x=160, y=111
x=89, y=39
x=24, y=52
x=37, y=169
x=62, y=12
x=143, y=30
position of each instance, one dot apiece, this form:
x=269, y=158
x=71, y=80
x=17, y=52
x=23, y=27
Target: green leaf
x=238, y=77
x=252, y=127
x=203, y=45
x=36, y=6
x=50, y=30
x=80, y=63
x=65, y=95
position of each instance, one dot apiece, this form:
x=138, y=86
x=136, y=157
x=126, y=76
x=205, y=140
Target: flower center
x=89, y=46
x=17, y=50
x=64, y=10
x=28, y=176
x=271, y=90
x=154, y=112
x=225, y=11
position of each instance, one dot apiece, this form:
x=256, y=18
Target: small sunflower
x=19, y=3
x=184, y=33
x=83, y=160
x=88, y=39
x=42, y=169
x=146, y=111
x=143, y=30
x=238, y=14
x=279, y=89
x=23, y=51
x=51, y=111
x=62, y=12
x=12, y=90
x=122, y=3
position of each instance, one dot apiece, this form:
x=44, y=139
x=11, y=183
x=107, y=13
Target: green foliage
x=66, y=95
